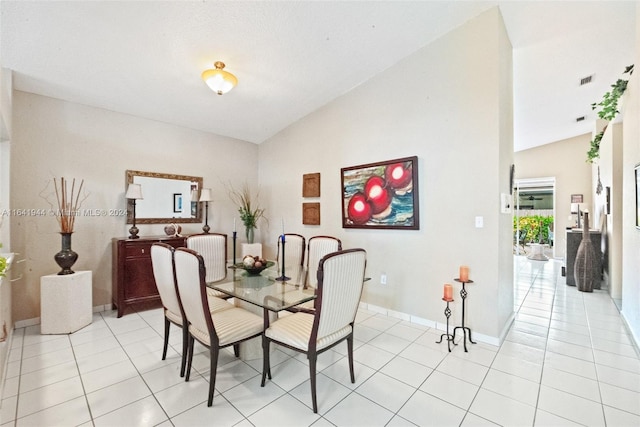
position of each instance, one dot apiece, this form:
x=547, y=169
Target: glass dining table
x=264, y=290
x=264, y=295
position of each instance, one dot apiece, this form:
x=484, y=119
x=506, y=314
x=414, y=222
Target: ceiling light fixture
x=218, y=80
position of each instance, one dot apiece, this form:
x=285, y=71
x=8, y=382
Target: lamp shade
x=205, y=195
x=218, y=80
x=134, y=191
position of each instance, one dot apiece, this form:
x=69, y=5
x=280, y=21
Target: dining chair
x=162, y=263
x=318, y=247
x=213, y=248
x=163, y=273
x=340, y=280
x=293, y=249
x=213, y=330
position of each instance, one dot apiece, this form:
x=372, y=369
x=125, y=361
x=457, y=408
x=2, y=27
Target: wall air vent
x=580, y=119
x=586, y=80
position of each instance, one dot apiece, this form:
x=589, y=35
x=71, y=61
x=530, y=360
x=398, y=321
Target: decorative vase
x=66, y=257
x=249, y=234
x=586, y=265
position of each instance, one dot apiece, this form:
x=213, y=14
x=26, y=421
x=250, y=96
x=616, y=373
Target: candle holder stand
x=235, y=236
x=463, y=295
x=450, y=338
x=283, y=277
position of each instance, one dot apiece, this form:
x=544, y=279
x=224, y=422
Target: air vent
x=586, y=80
x=581, y=118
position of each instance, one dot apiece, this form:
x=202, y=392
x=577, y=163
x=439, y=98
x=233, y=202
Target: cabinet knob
x=142, y=250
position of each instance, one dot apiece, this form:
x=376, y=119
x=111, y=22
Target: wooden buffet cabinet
x=133, y=285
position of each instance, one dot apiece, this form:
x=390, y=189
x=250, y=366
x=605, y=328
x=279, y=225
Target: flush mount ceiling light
x=218, y=80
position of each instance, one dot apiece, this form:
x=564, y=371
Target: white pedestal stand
x=252, y=349
x=537, y=252
x=65, y=302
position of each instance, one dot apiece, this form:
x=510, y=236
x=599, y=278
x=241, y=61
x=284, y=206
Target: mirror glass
x=167, y=198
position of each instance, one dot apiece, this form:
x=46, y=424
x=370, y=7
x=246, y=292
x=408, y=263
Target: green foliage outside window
x=536, y=228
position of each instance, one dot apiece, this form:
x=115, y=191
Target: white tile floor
x=567, y=361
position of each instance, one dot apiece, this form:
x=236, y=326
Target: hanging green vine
x=608, y=111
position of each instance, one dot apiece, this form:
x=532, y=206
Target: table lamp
x=134, y=192
x=205, y=196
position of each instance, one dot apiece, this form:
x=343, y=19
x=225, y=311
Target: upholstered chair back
x=162, y=263
x=213, y=249
x=191, y=288
x=319, y=246
x=340, y=281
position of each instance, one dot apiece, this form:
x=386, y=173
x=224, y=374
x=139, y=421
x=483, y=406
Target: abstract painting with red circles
x=381, y=195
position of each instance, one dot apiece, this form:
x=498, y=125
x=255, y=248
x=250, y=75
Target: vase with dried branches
x=69, y=200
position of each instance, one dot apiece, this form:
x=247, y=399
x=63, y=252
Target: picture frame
x=311, y=185
x=311, y=213
x=636, y=171
x=576, y=198
x=177, y=202
x=381, y=195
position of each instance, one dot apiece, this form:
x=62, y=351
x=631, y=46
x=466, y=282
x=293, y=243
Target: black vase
x=586, y=267
x=66, y=257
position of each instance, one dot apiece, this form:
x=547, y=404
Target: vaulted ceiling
x=145, y=57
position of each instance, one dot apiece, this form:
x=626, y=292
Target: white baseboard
x=36, y=320
x=487, y=339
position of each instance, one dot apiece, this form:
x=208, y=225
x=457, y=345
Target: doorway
x=534, y=215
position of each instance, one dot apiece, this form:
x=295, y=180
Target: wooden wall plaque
x=311, y=213
x=311, y=185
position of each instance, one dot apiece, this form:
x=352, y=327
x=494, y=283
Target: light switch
x=479, y=222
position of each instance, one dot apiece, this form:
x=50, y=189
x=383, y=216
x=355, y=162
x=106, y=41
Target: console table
x=132, y=284
x=574, y=237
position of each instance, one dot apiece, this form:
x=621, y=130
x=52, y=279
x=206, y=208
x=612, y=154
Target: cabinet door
x=138, y=271
x=138, y=276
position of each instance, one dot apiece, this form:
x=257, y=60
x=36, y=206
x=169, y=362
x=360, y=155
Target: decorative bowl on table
x=253, y=265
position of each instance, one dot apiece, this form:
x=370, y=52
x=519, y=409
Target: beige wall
x=630, y=234
x=53, y=138
x=565, y=161
x=451, y=105
x=609, y=167
x=6, y=112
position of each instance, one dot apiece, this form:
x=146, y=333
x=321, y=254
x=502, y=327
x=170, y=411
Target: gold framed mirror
x=167, y=198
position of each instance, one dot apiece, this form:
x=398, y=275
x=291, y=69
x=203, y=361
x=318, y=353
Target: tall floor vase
x=586, y=266
x=66, y=257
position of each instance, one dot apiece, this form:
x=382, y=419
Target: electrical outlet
x=479, y=222
x=383, y=279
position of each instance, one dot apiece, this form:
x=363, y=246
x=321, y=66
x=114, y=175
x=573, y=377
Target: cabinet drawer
x=137, y=250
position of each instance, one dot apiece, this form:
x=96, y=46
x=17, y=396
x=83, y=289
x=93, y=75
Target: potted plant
x=3, y=264
x=248, y=207
x=608, y=111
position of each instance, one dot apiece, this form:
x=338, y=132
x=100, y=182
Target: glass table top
x=264, y=290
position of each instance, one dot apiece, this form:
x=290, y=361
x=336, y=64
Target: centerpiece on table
x=248, y=207
x=253, y=264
